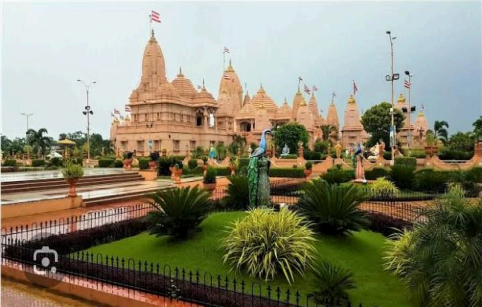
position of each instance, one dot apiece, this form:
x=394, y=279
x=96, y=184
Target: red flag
x=226, y=50
x=226, y=77
x=354, y=88
x=315, y=89
x=307, y=89
x=155, y=16
x=128, y=109
x=407, y=84
x=116, y=111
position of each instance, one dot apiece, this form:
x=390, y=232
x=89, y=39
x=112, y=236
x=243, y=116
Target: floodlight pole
x=392, y=111
x=87, y=112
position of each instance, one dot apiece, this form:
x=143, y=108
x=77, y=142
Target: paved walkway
x=55, y=174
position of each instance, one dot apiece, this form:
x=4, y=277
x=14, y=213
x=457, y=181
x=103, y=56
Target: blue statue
x=258, y=174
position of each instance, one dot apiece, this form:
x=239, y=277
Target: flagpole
x=150, y=25
x=224, y=60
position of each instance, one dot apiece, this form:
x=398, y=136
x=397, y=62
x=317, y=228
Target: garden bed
x=361, y=253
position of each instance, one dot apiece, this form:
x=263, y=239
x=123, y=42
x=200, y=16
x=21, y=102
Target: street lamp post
x=27, y=115
x=148, y=126
x=392, y=78
x=87, y=112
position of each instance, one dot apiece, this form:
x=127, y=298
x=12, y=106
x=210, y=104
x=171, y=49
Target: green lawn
x=361, y=253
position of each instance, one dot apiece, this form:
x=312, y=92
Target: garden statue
x=258, y=175
x=212, y=152
x=374, y=151
x=381, y=148
x=285, y=151
x=338, y=150
x=360, y=172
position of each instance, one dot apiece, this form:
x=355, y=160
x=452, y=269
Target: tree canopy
x=291, y=134
x=377, y=120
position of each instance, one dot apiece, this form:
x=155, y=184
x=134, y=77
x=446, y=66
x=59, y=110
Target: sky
x=46, y=47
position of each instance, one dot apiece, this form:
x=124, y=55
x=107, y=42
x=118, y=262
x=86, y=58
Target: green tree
x=461, y=141
x=439, y=259
x=321, y=147
x=221, y=151
x=478, y=128
x=291, y=134
x=327, y=131
x=440, y=130
x=377, y=120
x=239, y=142
x=39, y=140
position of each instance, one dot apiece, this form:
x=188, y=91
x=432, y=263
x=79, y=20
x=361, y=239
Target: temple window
x=176, y=144
x=140, y=145
x=199, y=120
x=245, y=127
x=193, y=145
x=124, y=145
x=157, y=145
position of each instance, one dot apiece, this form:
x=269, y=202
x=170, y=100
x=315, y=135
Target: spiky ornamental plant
x=331, y=208
x=440, y=259
x=266, y=243
x=238, y=193
x=331, y=283
x=180, y=211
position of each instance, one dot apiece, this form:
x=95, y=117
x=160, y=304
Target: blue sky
x=47, y=47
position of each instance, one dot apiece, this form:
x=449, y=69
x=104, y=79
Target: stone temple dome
x=284, y=112
x=304, y=116
x=261, y=98
x=224, y=105
x=184, y=86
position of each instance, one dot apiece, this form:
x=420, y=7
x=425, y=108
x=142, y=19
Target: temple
x=175, y=116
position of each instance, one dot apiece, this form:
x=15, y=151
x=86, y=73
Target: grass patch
x=361, y=253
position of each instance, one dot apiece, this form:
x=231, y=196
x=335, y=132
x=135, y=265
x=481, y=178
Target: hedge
x=196, y=171
x=222, y=171
x=243, y=162
x=376, y=172
x=476, y=174
x=10, y=163
x=118, y=163
x=408, y=161
x=337, y=175
x=192, y=164
x=38, y=162
x=106, y=162
x=291, y=156
x=144, y=163
x=287, y=172
x=448, y=154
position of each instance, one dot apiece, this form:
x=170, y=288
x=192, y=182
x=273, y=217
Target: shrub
x=308, y=165
x=10, y=163
x=199, y=170
x=106, y=162
x=72, y=171
x=192, y=163
x=387, y=155
x=237, y=193
x=154, y=156
x=266, y=243
x=290, y=156
x=450, y=154
x=337, y=175
x=223, y=171
x=439, y=260
x=402, y=175
x=376, y=172
x=332, y=283
x=463, y=178
x=333, y=209
x=243, y=162
x=118, y=163
x=180, y=212
x=37, y=163
x=144, y=164
x=210, y=176
x=243, y=170
x=476, y=174
x=287, y=172
x=383, y=187
x=408, y=161
x=428, y=180
x=386, y=225
x=164, y=164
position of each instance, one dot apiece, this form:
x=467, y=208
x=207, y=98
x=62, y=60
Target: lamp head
x=388, y=32
x=407, y=72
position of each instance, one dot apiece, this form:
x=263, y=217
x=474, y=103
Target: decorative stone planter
x=72, y=183
x=152, y=165
x=209, y=186
x=128, y=164
x=233, y=169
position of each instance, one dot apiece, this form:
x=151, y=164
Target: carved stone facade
x=178, y=117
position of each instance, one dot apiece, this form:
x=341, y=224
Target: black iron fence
x=157, y=279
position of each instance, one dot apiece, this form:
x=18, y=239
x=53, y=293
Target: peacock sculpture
x=258, y=174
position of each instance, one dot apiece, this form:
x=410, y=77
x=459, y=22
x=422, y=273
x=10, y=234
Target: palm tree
x=38, y=139
x=440, y=130
x=328, y=130
x=439, y=260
